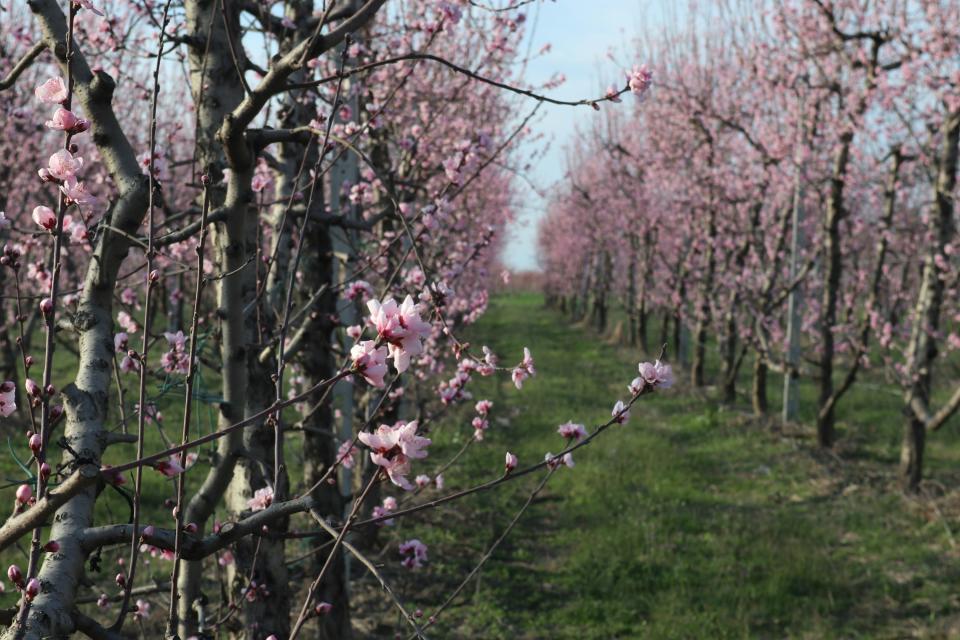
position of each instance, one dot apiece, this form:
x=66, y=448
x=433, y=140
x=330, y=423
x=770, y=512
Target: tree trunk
x=833, y=270
x=759, y=394
x=911, y=453
x=704, y=317
x=730, y=362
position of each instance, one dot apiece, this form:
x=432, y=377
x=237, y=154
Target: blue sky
x=581, y=33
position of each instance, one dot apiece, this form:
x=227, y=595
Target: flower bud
x=36, y=442
x=15, y=575
x=45, y=470
x=52, y=547
x=46, y=306
x=33, y=588
x=24, y=493
x=191, y=527
x=121, y=580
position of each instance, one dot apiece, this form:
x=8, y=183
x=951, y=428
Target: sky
x=581, y=33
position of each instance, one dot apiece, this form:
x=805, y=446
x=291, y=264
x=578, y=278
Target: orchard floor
x=692, y=521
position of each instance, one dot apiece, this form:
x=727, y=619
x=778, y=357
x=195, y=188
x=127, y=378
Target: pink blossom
x=400, y=327
x=53, y=91
x=524, y=370
x=175, y=361
x=510, y=462
x=439, y=481
x=129, y=365
x=358, y=289
x=262, y=178
x=45, y=217
x=126, y=321
x=657, y=374
x=369, y=361
x=414, y=552
x=77, y=192
x=120, y=342
x=389, y=504
x=572, y=431
x=479, y=426
x=262, y=498
x=355, y=331
x=347, y=454
x=170, y=467
x=65, y=120
x=483, y=407
x=33, y=389
x=176, y=340
x=142, y=610
x=620, y=413
x=128, y=296
x=393, y=447
x=422, y=480
x=63, y=165
x=78, y=232
x=639, y=80
x=554, y=462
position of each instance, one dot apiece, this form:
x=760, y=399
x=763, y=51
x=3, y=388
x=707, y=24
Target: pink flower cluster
x=392, y=448
x=389, y=505
x=400, y=327
x=62, y=167
x=358, y=289
x=262, y=498
x=524, y=370
x=347, y=454
x=414, y=553
x=572, y=431
x=656, y=375
x=639, y=80
x=370, y=361
x=176, y=359
x=554, y=462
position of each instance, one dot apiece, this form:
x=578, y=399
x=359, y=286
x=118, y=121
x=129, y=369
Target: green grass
x=692, y=521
